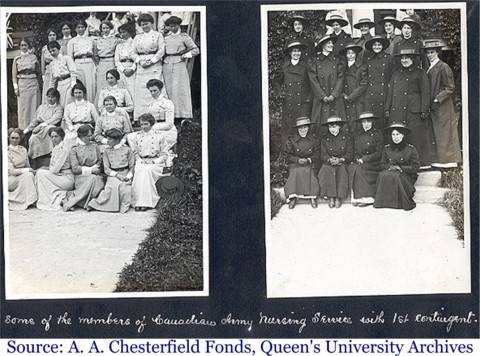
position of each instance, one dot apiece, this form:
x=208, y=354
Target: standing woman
x=442, y=110
x=66, y=29
x=121, y=95
x=364, y=169
x=303, y=153
x=25, y=76
x=21, y=180
x=179, y=48
x=149, y=48
x=389, y=24
x=54, y=182
x=379, y=70
x=298, y=24
x=80, y=49
x=326, y=79
x=364, y=25
x=408, y=102
x=125, y=58
x=396, y=181
x=410, y=39
x=45, y=60
x=63, y=73
x=339, y=36
x=293, y=77
x=104, y=53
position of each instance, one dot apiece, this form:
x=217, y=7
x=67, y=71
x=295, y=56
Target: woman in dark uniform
x=303, y=150
x=379, y=68
x=298, y=25
x=396, y=181
x=410, y=39
x=364, y=25
x=408, y=102
x=389, y=24
x=363, y=171
x=341, y=38
x=294, y=78
x=336, y=153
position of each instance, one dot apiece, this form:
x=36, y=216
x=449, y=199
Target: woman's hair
x=84, y=130
x=58, y=130
x=155, y=83
x=147, y=117
x=28, y=41
x=53, y=44
x=81, y=22
x=79, y=86
x=114, y=133
x=113, y=72
x=15, y=130
x=145, y=18
x=50, y=30
x=66, y=23
x=106, y=22
x=110, y=98
x=54, y=92
x=127, y=27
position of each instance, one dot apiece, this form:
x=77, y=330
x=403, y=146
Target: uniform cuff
x=86, y=171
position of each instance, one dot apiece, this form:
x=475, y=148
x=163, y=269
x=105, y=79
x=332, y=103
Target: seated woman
x=112, y=117
x=150, y=149
x=118, y=163
x=162, y=111
x=303, y=151
x=400, y=164
x=121, y=95
x=48, y=115
x=85, y=159
x=54, y=182
x=364, y=169
x=21, y=181
x=336, y=153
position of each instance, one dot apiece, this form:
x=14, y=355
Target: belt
x=106, y=57
x=26, y=71
x=147, y=52
x=119, y=169
x=64, y=76
x=26, y=76
x=83, y=56
x=126, y=60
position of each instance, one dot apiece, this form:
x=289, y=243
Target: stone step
x=431, y=179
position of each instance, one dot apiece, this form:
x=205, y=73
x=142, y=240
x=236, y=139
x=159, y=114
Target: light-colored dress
x=115, y=120
x=76, y=114
x=177, y=80
x=63, y=77
x=25, y=70
x=122, y=95
x=150, y=149
x=80, y=49
x=116, y=197
x=147, y=46
x=47, y=116
x=162, y=110
x=21, y=182
x=104, y=51
x=87, y=185
x=125, y=59
x=45, y=60
x=63, y=44
x=53, y=184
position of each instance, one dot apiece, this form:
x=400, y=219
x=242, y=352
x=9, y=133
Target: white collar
x=351, y=63
x=51, y=105
x=294, y=61
x=116, y=147
x=435, y=61
x=326, y=54
x=80, y=142
x=113, y=86
x=67, y=38
x=110, y=113
x=79, y=102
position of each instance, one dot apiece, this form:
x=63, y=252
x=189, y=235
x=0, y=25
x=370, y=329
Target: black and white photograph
x=365, y=118
x=104, y=151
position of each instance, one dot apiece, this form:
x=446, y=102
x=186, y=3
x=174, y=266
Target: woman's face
x=328, y=46
x=406, y=61
x=351, y=55
x=365, y=29
x=297, y=26
x=397, y=136
x=377, y=47
x=55, y=137
x=14, y=138
x=146, y=26
x=389, y=28
x=406, y=31
x=51, y=99
x=112, y=141
x=334, y=129
x=88, y=138
x=109, y=105
x=173, y=27
x=145, y=125
x=111, y=80
x=336, y=27
x=303, y=130
x=78, y=94
x=24, y=47
x=432, y=55
x=105, y=29
x=124, y=34
x=296, y=53
x=52, y=36
x=66, y=31
x=54, y=52
x=367, y=124
x=154, y=91
x=80, y=29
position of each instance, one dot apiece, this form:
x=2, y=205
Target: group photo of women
x=98, y=102
x=361, y=101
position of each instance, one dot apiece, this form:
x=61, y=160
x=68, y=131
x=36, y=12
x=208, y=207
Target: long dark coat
x=361, y=42
x=408, y=97
x=326, y=78
x=363, y=176
x=305, y=39
x=394, y=39
x=354, y=86
x=333, y=180
x=442, y=87
x=343, y=39
x=415, y=43
x=396, y=189
x=302, y=181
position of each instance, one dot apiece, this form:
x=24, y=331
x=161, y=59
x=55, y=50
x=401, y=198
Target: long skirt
x=445, y=131
x=177, y=84
x=52, y=188
x=128, y=82
x=301, y=182
x=21, y=191
x=144, y=191
x=39, y=143
x=64, y=87
x=47, y=79
x=363, y=179
x=86, y=70
x=29, y=99
x=103, y=66
x=142, y=96
x=116, y=197
x=333, y=181
x=170, y=135
x=395, y=190
x=87, y=187
x=421, y=136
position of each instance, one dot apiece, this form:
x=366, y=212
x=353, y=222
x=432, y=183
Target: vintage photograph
x=365, y=118
x=104, y=151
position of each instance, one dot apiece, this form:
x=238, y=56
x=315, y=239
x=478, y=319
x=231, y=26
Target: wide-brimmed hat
x=391, y=19
x=170, y=186
x=434, y=43
x=336, y=18
x=378, y=38
x=407, y=52
x=294, y=44
x=296, y=17
x=366, y=115
x=357, y=48
x=409, y=21
x=301, y=121
x=325, y=39
x=397, y=126
x=364, y=21
x=334, y=120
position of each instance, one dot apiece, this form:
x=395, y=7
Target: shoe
x=338, y=203
x=137, y=208
x=314, y=203
x=356, y=204
x=363, y=205
x=291, y=203
x=331, y=202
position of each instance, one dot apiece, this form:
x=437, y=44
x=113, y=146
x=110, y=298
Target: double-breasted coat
x=411, y=43
x=304, y=38
x=361, y=42
x=354, y=86
x=394, y=39
x=342, y=39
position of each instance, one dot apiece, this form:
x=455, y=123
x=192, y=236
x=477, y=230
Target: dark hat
x=325, y=39
x=353, y=46
x=397, y=126
x=409, y=21
x=384, y=41
x=334, y=120
x=336, y=18
x=170, y=186
x=296, y=17
x=367, y=115
x=391, y=19
x=293, y=44
x=434, y=43
x=173, y=20
x=407, y=52
x=303, y=120
x=364, y=21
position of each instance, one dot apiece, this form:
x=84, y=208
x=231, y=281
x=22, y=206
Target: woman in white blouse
x=125, y=58
x=162, y=110
x=63, y=73
x=104, y=53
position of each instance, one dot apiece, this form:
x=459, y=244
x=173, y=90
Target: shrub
x=276, y=202
x=453, y=199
